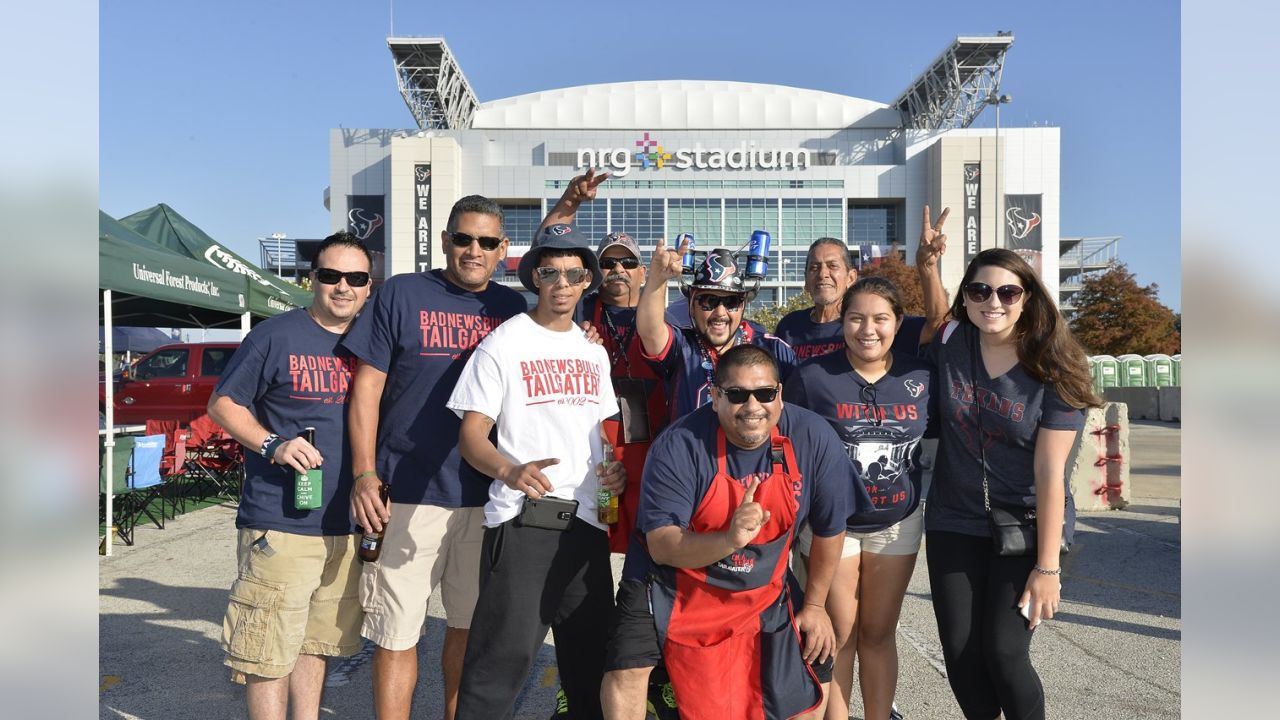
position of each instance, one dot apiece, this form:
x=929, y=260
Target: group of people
x=770, y=485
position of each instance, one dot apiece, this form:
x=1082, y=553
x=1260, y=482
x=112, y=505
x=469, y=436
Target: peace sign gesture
x=583, y=187
x=933, y=242
x=747, y=519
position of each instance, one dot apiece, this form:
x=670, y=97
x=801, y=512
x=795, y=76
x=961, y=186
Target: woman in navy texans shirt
x=878, y=402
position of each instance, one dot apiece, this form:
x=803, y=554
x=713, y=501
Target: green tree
x=769, y=315
x=1115, y=315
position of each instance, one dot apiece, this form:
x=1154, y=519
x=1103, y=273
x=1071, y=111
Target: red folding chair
x=215, y=461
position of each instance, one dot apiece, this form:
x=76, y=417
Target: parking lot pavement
x=1114, y=650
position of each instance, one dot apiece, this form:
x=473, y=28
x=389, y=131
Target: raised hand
x=933, y=243
x=583, y=187
x=747, y=519
x=528, y=478
x=666, y=264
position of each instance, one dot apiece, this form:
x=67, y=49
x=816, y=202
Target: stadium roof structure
x=955, y=88
x=432, y=84
x=683, y=105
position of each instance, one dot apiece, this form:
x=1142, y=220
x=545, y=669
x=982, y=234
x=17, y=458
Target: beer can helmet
x=718, y=270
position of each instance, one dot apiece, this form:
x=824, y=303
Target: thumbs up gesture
x=747, y=519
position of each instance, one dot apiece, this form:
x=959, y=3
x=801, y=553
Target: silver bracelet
x=1042, y=571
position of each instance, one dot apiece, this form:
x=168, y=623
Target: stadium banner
x=972, y=211
x=422, y=216
x=1022, y=228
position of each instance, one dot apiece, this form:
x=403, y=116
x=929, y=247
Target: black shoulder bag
x=1012, y=527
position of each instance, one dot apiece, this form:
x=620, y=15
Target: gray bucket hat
x=559, y=237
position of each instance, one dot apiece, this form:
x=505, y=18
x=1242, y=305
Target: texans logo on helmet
x=717, y=272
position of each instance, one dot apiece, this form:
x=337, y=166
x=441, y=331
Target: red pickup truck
x=172, y=382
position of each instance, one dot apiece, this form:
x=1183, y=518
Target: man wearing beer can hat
x=718, y=294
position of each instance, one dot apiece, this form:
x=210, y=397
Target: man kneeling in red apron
x=709, y=592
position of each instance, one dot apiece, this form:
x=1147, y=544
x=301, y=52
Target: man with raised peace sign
x=544, y=562
x=829, y=271
x=725, y=489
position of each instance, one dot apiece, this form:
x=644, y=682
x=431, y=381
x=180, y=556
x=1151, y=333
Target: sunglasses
x=626, y=263
x=464, y=240
x=737, y=395
x=329, y=276
x=981, y=292
x=550, y=276
x=867, y=394
x=711, y=302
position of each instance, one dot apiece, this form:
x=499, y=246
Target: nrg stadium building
x=715, y=159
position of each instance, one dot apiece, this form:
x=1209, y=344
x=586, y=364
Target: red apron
x=728, y=632
x=635, y=368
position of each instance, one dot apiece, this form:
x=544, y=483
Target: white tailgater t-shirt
x=548, y=392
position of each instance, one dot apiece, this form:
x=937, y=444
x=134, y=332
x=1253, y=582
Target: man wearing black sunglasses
x=725, y=489
x=412, y=344
x=686, y=357
x=291, y=373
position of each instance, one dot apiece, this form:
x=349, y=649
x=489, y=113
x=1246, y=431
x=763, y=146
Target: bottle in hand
x=606, y=502
x=308, y=487
x=370, y=542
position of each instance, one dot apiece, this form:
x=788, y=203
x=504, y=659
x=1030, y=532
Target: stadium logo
x=361, y=226
x=971, y=172
x=1020, y=226
x=651, y=154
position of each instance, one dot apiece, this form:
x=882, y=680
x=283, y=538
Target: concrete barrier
x=1143, y=402
x=1098, y=467
x=1170, y=402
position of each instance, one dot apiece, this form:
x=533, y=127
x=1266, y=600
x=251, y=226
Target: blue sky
x=222, y=110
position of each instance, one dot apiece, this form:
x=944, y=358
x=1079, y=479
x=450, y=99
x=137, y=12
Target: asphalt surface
x=1113, y=651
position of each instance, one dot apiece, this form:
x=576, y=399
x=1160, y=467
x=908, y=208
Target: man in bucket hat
x=544, y=387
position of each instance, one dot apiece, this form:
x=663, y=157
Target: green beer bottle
x=308, y=487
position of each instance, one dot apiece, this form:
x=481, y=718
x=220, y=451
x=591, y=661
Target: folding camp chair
x=215, y=461
x=122, y=494
x=172, y=463
x=146, y=481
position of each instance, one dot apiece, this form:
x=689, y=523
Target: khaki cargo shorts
x=295, y=594
x=425, y=547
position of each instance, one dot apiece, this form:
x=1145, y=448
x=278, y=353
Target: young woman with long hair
x=1013, y=384
x=878, y=402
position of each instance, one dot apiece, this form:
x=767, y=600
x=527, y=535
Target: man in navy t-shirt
x=412, y=343
x=296, y=551
x=725, y=488
x=686, y=357
x=829, y=271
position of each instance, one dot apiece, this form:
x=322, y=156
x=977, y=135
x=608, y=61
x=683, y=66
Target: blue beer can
x=758, y=255
x=686, y=261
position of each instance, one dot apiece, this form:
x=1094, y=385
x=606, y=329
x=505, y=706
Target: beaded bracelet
x=1042, y=571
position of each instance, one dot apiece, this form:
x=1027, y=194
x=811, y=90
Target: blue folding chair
x=146, y=481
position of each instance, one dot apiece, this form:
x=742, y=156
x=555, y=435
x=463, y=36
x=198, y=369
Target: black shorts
x=633, y=638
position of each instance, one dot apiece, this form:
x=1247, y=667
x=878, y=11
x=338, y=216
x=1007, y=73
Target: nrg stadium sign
x=652, y=155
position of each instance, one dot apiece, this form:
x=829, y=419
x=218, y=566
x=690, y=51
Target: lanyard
x=621, y=341
x=709, y=359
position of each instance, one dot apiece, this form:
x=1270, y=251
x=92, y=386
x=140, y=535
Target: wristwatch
x=268, y=445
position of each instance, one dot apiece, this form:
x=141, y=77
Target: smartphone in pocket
x=548, y=513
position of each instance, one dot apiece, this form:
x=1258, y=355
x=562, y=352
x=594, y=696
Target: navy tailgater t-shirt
x=881, y=424
x=810, y=339
x=682, y=463
x=291, y=374
x=420, y=329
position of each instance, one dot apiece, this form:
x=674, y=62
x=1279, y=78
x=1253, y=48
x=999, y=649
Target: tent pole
x=109, y=440
x=244, y=325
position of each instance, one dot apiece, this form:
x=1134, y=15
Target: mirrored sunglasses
x=550, y=275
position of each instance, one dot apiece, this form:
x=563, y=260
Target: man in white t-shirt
x=544, y=562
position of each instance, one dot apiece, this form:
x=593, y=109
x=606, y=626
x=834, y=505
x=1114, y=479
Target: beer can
x=686, y=261
x=758, y=255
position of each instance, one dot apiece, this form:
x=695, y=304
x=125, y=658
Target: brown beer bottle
x=371, y=542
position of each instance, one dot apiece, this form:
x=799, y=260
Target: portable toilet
x=1133, y=370
x=1159, y=370
x=1108, y=371
x=1177, y=370
x=1093, y=373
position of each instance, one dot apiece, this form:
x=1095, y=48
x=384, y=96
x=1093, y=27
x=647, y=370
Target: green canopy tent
x=164, y=226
